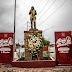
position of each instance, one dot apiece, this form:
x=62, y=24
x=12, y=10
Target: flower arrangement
x=34, y=44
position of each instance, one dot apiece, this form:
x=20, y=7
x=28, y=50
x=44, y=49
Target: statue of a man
x=32, y=14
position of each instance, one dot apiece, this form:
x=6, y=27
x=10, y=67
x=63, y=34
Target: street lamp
x=27, y=25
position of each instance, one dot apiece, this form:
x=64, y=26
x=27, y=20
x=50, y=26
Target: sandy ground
x=51, y=69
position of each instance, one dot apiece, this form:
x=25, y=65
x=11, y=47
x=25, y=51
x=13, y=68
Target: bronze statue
x=32, y=14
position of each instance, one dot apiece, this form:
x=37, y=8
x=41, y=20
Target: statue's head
x=32, y=8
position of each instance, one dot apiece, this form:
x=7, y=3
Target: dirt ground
x=51, y=69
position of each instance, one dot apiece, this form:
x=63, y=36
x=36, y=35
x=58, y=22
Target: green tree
x=22, y=46
x=45, y=42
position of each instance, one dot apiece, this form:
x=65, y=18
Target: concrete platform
x=34, y=64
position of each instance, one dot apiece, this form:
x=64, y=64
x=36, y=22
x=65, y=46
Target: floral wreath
x=34, y=44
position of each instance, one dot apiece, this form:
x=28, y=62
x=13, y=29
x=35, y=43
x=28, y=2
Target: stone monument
x=31, y=32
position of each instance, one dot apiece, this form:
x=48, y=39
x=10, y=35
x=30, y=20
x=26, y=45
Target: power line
x=53, y=12
x=46, y=29
x=26, y=2
x=47, y=10
x=48, y=36
x=43, y=7
x=38, y=4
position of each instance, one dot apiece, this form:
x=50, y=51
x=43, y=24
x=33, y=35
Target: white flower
x=36, y=41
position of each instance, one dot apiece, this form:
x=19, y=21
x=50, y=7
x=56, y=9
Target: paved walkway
x=54, y=69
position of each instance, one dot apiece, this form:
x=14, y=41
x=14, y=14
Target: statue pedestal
x=26, y=35
x=33, y=30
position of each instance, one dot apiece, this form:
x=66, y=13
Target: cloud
x=6, y=16
x=61, y=20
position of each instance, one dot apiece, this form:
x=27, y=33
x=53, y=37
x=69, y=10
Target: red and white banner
x=6, y=47
x=63, y=47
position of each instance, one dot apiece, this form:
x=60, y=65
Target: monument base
x=34, y=64
x=26, y=36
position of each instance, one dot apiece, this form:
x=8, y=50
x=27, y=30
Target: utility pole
x=14, y=25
